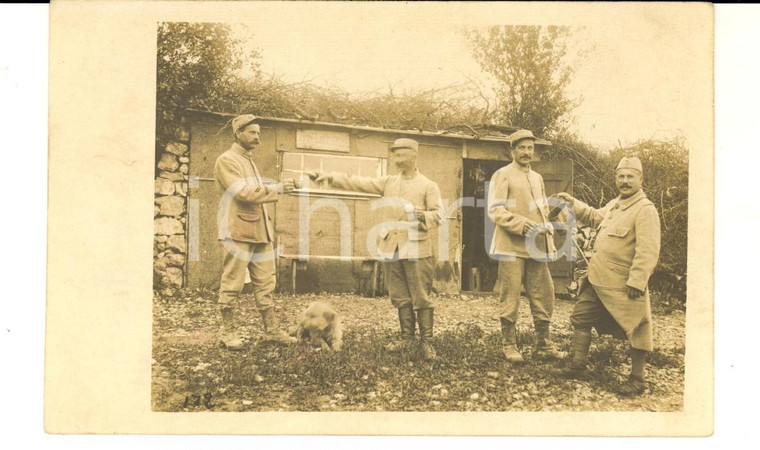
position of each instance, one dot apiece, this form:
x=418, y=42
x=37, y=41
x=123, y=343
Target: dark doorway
x=479, y=272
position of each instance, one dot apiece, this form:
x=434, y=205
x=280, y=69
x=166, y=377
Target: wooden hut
x=322, y=233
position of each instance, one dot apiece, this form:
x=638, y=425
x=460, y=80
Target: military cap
x=240, y=122
x=630, y=162
x=521, y=134
x=405, y=143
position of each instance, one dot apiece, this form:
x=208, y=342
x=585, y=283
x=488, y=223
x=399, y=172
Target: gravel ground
x=191, y=373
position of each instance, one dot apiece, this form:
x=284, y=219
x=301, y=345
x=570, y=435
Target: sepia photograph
x=414, y=208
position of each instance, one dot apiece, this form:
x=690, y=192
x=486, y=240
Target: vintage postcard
x=380, y=219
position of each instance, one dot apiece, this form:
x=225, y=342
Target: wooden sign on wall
x=323, y=140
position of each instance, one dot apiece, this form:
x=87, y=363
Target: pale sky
x=637, y=81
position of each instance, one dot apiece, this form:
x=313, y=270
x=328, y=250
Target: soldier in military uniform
x=523, y=244
x=614, y=297
x=245, y=229
x=404, y=240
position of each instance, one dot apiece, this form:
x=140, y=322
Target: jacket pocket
x=249, y=217
x=418, y=235
x=619, y=232
x=608, y=274
x=246, y=226
x=619, y=266
x=618, y=271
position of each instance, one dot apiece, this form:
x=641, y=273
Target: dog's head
x=319, y=316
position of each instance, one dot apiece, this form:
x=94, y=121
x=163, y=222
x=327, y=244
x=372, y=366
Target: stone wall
x=170, y=215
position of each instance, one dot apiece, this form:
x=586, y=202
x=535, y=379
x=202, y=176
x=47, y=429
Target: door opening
x=479, y=271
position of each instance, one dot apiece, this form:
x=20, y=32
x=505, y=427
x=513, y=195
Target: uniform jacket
x=624, y=254
x=516, y=195
x=240, y=182
x=399, y=230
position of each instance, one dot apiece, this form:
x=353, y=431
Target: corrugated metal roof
x=497, y=135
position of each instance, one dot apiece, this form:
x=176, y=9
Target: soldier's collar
x=519, y=167
x=627, y=202
x=239, y=148
x=414, y=175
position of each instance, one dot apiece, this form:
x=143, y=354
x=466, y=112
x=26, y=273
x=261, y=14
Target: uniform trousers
x=258, y=260
x=410, y=281
x=539, y=288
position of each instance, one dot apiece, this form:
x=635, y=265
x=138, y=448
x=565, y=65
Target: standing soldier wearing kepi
x=614, y=298
x=245, y=229
x=404, y=241
x=523, y=244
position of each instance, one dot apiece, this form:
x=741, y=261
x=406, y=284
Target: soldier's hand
x=634, y=293
x=420, y=216
x=529, y=227
x=566, y=197
x=288, y=185
x=319, y=177
x=543, y=229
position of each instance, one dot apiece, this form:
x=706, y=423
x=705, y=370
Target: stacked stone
x=170, y=215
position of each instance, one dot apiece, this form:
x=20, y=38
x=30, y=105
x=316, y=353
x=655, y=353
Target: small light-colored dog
x=320, y=323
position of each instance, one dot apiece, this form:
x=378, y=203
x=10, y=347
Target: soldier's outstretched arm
x=233, y=180
x=319, y=177
x=351, y=182
x=583, y=212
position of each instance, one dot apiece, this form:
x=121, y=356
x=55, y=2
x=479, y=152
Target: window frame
x=382, y=169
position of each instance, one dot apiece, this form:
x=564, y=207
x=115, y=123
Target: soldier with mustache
x=247, y=233
x=523, y=244
x=614, y=298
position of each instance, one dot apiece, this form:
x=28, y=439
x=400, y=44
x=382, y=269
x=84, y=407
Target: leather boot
x=406, y=321
x=577, y=369
x=544, y=348
x=632, y=387
x=272, y=331
x=425, y=321
x=229, y=339
x=509, y=338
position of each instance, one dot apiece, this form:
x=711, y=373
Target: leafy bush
x=197, y=66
